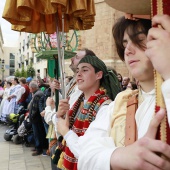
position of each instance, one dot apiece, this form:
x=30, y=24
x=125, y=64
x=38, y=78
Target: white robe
x=5, y=96
x=9, y=106
x=97, y=151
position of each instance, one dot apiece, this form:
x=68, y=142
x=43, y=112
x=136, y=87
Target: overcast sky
x=9, y=36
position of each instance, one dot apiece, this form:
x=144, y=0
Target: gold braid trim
x=160, y=102
x=159, y=7
x=158, y=82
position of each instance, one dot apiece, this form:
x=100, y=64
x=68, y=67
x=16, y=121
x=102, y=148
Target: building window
x=28, y=42
x=20, y=48
x=26, y=62
x=23, y=45
x=27, y=55
x=31, y=60
x=11, y=72
x=12, y=56
x=11, y=64
x=27, y=45
x=38, y=59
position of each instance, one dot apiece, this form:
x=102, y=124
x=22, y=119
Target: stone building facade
x=100, y=39
x=8, y=55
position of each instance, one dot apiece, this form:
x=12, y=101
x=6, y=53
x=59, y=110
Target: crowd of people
x=17, y=92
x=91, y=128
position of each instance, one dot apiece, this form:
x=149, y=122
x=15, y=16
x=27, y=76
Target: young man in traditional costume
x=71, y=89
x=133, y=143
x=85, y=118
x=72, y=92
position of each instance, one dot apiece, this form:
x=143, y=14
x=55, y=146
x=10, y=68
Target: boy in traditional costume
x=87, y=115
x=134, y=131
x=72, y=93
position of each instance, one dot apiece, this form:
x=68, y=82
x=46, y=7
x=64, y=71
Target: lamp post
x=2, y=62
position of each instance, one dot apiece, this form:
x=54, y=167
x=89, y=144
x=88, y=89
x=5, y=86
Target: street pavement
x=18, y=157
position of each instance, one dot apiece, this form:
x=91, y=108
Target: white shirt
x=50, y=114
x=96, y=152
x=19, y=93
x=94, y=130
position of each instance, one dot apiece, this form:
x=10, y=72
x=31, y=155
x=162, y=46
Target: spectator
x=35, y=119
x=41, y=84
x=1, y=93
x=28, y=80
x=5, y=95
x=132, y=85
x=125, y=82
x=68, y=79
x=119, y=76
x=10, y=102
x=23, y=93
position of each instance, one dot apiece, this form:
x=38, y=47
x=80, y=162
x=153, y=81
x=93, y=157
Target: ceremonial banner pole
x=160, y=7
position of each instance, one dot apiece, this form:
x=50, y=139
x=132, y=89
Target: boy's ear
x=99, y=75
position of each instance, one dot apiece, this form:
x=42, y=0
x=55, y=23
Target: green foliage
x=30, y=71
x=17, y=73
x=23, y=72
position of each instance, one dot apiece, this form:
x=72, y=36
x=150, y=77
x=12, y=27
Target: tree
x=30, y=71
x=23, y=72
x=17, y=73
